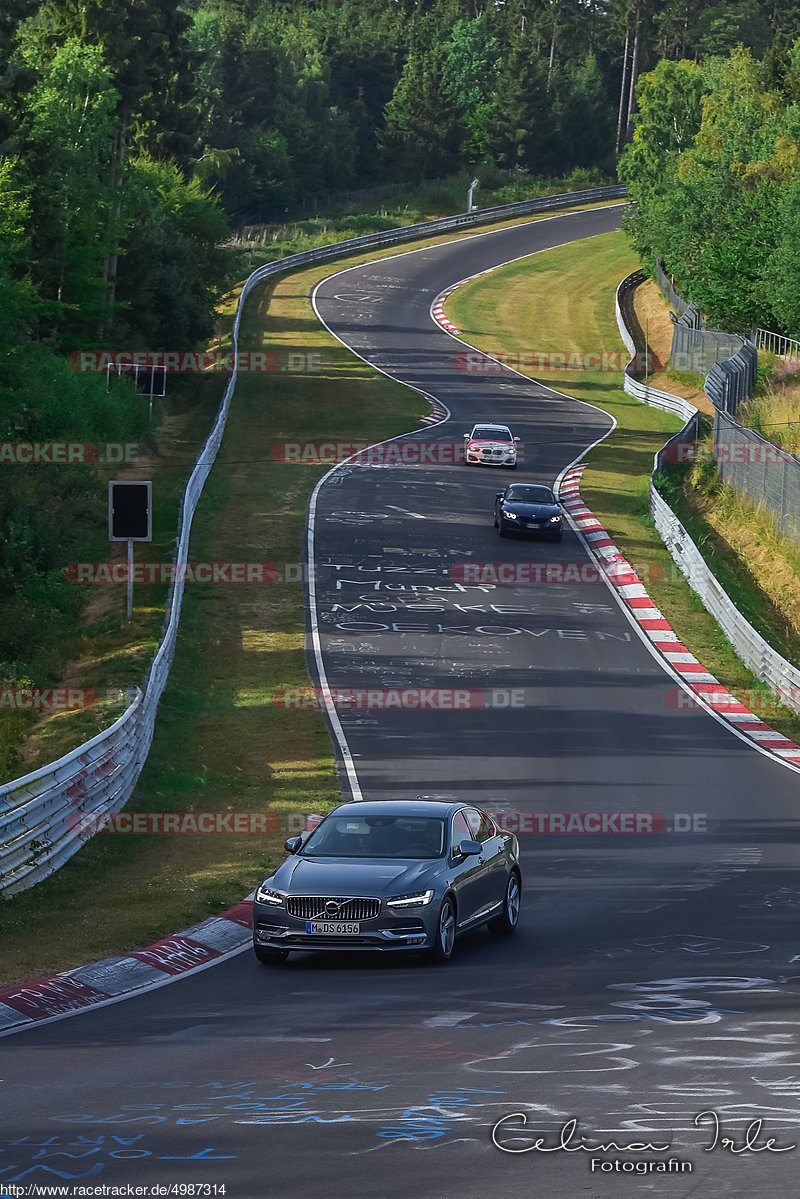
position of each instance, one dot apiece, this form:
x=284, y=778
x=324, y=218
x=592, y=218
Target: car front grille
x=312, y=907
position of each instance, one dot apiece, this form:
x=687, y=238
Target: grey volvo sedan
x=392, y=875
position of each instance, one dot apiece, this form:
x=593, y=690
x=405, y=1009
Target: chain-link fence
x=728, y=362
x=767, y=474
x=667, y=286
x=698, y=350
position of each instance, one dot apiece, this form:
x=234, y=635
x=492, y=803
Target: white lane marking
x=405, y=511
x=448, y=1019
x=314, y=619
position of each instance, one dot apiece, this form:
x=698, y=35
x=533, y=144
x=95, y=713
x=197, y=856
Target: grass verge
x=566, y=295
x=93, y=649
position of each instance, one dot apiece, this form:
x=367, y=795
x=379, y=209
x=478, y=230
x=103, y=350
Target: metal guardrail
x=775, y=343
x=766, y=664
x=629, y=327
x=40, y=813
x=757, y=654
x=730, y=382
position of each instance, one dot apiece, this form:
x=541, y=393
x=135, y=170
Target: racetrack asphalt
x=652, y=976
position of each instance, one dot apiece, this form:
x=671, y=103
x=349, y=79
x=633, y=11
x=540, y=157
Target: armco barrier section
x=728, y=384
x=757, y=654
x=627, y=323
x=39, y=813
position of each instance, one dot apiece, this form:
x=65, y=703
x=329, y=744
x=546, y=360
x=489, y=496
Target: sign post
x=130, y=518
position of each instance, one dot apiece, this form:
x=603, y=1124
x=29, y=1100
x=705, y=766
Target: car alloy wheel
x=444, y=944
x=506, y=923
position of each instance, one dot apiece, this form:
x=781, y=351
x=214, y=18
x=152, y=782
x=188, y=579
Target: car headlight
x=267, y=895
x=419, y=900
x=554, y=519
x=509, y=515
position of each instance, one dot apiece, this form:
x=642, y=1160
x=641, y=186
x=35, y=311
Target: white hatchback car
x=490, y=445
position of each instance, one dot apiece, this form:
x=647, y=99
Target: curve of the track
x=653, y=977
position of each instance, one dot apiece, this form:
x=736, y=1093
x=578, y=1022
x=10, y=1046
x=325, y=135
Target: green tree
x=171, y=269
x=586, y=119
x=519, y=126
x=669, y=117
x=67, y=140
x=422, y=131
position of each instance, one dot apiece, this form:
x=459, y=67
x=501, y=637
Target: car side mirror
x=516, y=439
x=293, y=844
x=466, y=435
x=500, y=495
x=469, y=849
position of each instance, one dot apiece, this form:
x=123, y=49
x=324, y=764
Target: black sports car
x=528, y=508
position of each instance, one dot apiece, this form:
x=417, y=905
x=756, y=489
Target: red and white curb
x=658, y=629
x=437, y=307
x=438, y=413
x=112, y=979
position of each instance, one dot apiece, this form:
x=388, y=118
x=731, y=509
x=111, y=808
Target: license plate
x=534, y=524
x=332, y=928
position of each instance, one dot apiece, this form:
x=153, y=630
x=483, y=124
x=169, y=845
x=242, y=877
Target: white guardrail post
x=757, y=654
x=44, y=814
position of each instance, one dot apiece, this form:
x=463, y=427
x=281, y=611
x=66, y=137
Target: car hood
x=526, y=509
x=353, y=876
x=491, y=443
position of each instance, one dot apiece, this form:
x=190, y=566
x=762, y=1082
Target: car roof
x=401, y=807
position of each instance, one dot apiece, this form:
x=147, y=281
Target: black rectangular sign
x=130, y=515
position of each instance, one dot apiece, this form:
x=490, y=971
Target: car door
x=496, y=864
x=469, y=874
x=482, y=829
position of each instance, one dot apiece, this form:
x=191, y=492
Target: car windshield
x=530, y=494
x=492, y=432
x=376, y=836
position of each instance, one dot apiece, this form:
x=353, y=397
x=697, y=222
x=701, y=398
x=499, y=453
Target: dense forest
x=713, y=166
x=135, y=133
